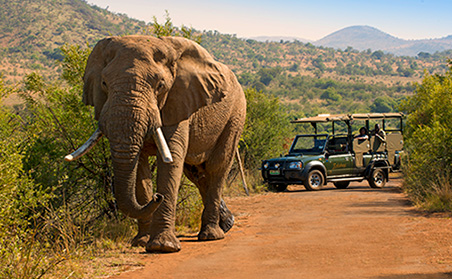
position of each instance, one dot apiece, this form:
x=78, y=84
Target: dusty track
x=358, y=232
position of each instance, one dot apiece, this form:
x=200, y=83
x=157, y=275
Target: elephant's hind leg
x=211, y=177
x=226, y=217
x=196, y=174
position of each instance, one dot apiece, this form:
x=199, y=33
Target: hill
x=32, y=32
x=366, y=37
x=308, y=79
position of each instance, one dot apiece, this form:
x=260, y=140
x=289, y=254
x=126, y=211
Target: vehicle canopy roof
x=348, y=117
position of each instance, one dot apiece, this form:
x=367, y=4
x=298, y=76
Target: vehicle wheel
x=314, y=180
x=277, y=187
x=341, y=184
x=377, y=178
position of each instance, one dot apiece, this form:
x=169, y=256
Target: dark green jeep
x=315, y=159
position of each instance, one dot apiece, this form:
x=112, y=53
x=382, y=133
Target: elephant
x=165, y=97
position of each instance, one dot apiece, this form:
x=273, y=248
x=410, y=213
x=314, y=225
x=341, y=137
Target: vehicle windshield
x=308, y=144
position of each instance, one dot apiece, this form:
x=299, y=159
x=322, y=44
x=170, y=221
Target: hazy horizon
x=405, y=19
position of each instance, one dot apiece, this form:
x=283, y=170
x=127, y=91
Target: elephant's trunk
x=127, y=124
x=125, y=170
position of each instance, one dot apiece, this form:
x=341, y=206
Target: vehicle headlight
x=266, y=165
x=295, y=165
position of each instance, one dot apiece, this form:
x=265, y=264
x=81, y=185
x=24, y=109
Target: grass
x=439, y=195
x=60, y=248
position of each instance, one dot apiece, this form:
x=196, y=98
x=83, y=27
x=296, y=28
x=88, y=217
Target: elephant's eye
x=104, y=85
x=160, y=85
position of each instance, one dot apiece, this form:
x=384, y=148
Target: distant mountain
x=278, y=39
x=366, y=37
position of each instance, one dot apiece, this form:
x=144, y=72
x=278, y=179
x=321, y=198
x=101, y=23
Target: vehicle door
x=338, y=159
x=360, y=146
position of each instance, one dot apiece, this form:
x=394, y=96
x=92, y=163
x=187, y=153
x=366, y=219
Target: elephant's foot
x=142, y=237
x=165, y=242
x=226, y=217
x=211, y=232
x=140, y=240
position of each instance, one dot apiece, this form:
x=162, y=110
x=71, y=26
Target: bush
x=267, y=129
x=382, y=104
x=50, y=206
x=22, y=204
x=428, y=166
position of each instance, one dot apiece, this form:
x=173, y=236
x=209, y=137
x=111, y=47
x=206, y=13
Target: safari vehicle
x=338, y=157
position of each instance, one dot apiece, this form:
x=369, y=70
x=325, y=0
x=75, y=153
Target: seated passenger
x=362, y=134
x=380, y=138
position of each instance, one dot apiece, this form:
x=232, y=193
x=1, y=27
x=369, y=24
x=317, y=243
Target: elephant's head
x=137, y=84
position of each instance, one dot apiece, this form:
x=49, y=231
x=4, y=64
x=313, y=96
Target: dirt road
x=358, y=232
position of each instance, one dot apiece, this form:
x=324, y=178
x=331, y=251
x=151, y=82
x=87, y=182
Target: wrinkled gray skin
x=139, y=83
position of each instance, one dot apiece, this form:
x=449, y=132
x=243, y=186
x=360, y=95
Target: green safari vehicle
x=339, y=157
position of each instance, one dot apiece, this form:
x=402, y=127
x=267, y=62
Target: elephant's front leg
x=163, y=234
x=144, y=195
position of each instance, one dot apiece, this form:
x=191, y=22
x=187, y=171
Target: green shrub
x=428, y=165
x=22, y=253
x=267, y=129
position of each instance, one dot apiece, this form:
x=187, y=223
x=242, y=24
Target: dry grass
x=100, y=261
x=439, y=197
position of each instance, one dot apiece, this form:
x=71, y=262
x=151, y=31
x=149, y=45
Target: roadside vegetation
x=57, y=215
x=428, y=161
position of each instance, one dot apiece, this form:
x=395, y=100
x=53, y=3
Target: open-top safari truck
x=339, y=156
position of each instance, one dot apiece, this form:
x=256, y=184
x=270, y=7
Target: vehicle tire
x=277, y=187
x=314, y=181
x=341, y=184
x=377, y=178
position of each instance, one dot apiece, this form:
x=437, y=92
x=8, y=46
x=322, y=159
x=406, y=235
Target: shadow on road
x=352, y=188
x=445, y=275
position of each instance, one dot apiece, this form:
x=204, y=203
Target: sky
x=306, y=19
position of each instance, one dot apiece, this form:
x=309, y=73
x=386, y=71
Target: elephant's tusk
x=86, y=147
x=162, y=146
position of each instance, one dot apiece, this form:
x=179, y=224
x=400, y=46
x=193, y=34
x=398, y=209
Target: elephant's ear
x=200, y=81
x=93, y=94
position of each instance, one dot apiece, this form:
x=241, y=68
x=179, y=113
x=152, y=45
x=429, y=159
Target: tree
x=22, y=205
x=168, y=29
x=266, y=129
x=268, y=74
x=377, y=54
x=424, y=55
x=331, y=94
x=428, y=166
x=318, y=63
x=382, y=104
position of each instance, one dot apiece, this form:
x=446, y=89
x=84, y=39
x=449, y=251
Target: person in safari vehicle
x=380, y=137
x=362, y=134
